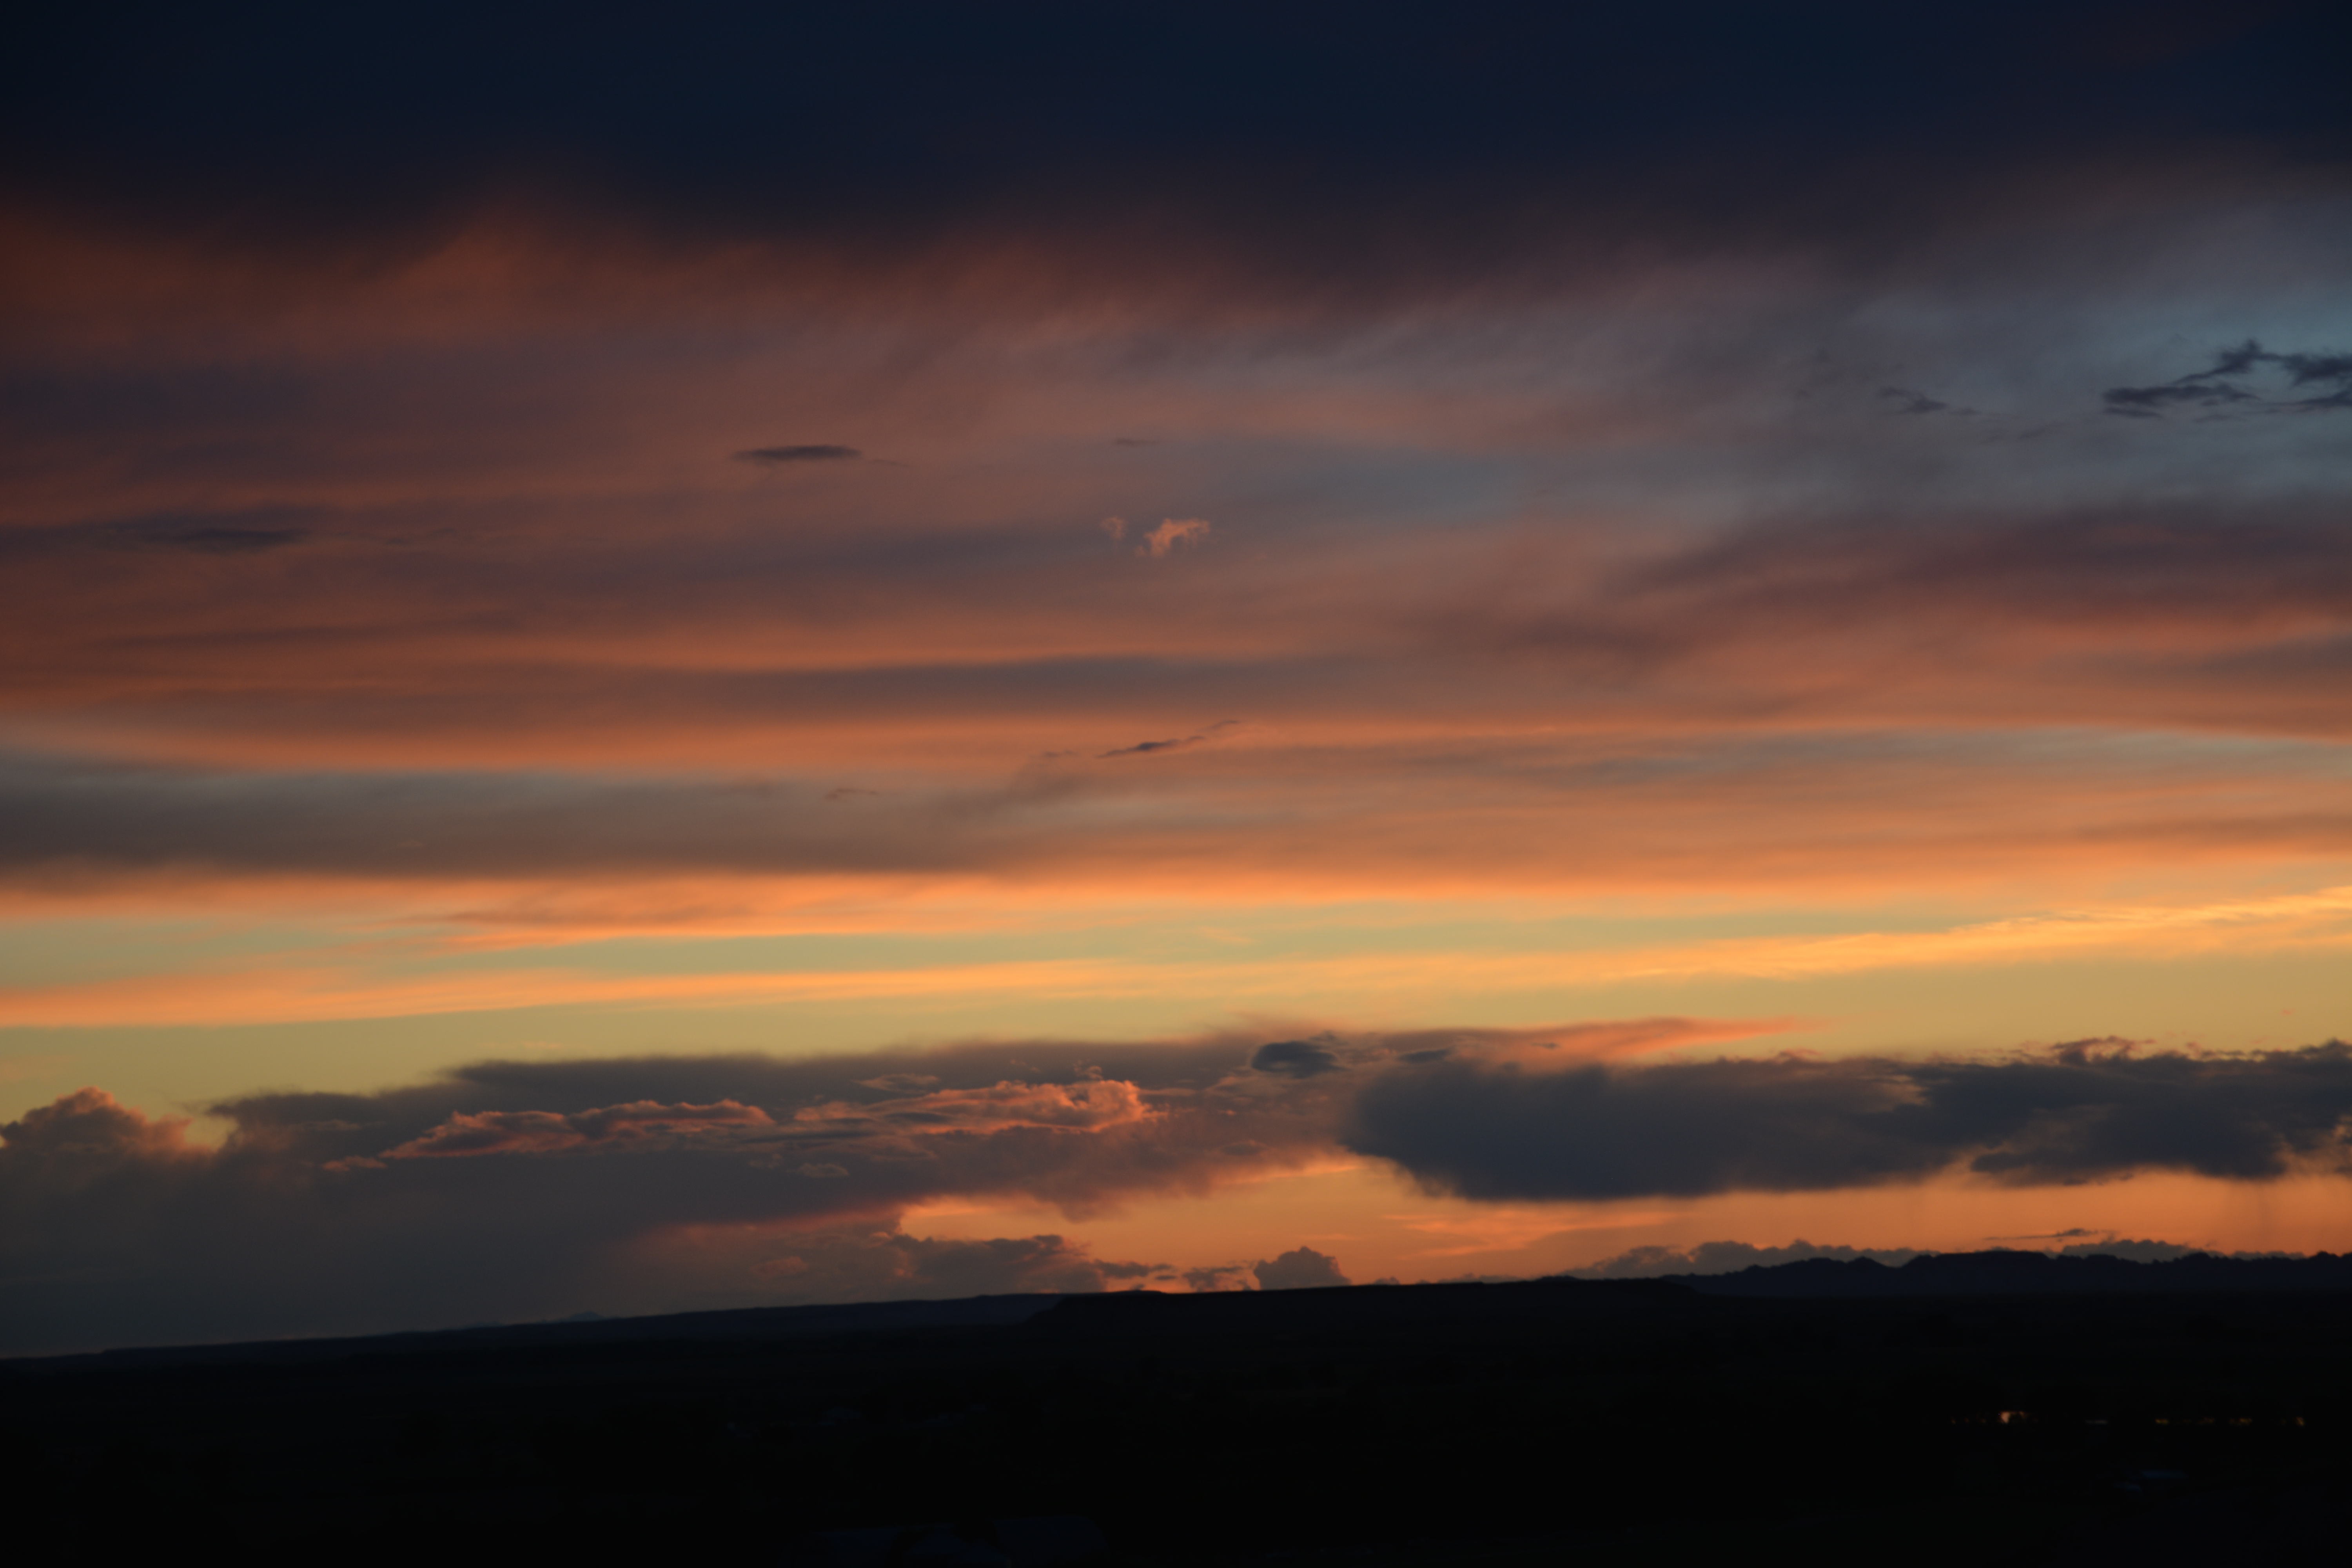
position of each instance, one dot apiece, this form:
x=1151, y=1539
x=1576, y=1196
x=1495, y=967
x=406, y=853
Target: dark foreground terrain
x=2050, y=1420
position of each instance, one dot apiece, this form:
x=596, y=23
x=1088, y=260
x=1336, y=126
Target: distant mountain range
x=2004, y=1273
x=1952, y=1273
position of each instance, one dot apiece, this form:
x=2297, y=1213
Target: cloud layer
x=515, y=1190
x=490, y=509
x=2084, y=1112
x=1619, y=572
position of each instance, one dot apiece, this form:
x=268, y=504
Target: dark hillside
x=1619, y=1421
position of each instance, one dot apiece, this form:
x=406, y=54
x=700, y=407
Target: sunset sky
x=931, y=649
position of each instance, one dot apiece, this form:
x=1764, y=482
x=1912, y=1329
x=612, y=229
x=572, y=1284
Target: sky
x=773, y=657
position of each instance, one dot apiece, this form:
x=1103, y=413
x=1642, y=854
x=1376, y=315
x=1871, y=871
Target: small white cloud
x=1171, y=532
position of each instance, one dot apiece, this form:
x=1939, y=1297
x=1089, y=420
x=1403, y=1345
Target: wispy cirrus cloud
x=776, y=456
x=2315, y=381
x=1151, y=748
x=429, y=979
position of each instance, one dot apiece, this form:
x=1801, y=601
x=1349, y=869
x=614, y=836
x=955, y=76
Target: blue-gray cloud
x=1295, y=1058
x=2315, y=381
x=2081, y=1114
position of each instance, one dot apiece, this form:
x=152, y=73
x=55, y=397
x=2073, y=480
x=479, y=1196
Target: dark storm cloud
x=1291, y=126
x=776, y=456
x=2079, y=1113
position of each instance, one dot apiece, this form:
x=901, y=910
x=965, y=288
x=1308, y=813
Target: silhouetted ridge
x=2006, y=1273
x=1352, y=1307
x=740, y=1325
x=1337, y=1310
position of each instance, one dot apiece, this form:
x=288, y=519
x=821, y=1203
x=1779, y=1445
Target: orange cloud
x=1172, y=533
x=1088, y=1106
x=640, y=1123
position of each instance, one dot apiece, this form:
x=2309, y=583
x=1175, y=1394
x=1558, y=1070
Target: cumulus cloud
x=520, y=1190
x=1300, y=1268
x=1210, y=1280
x=86, y=1134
